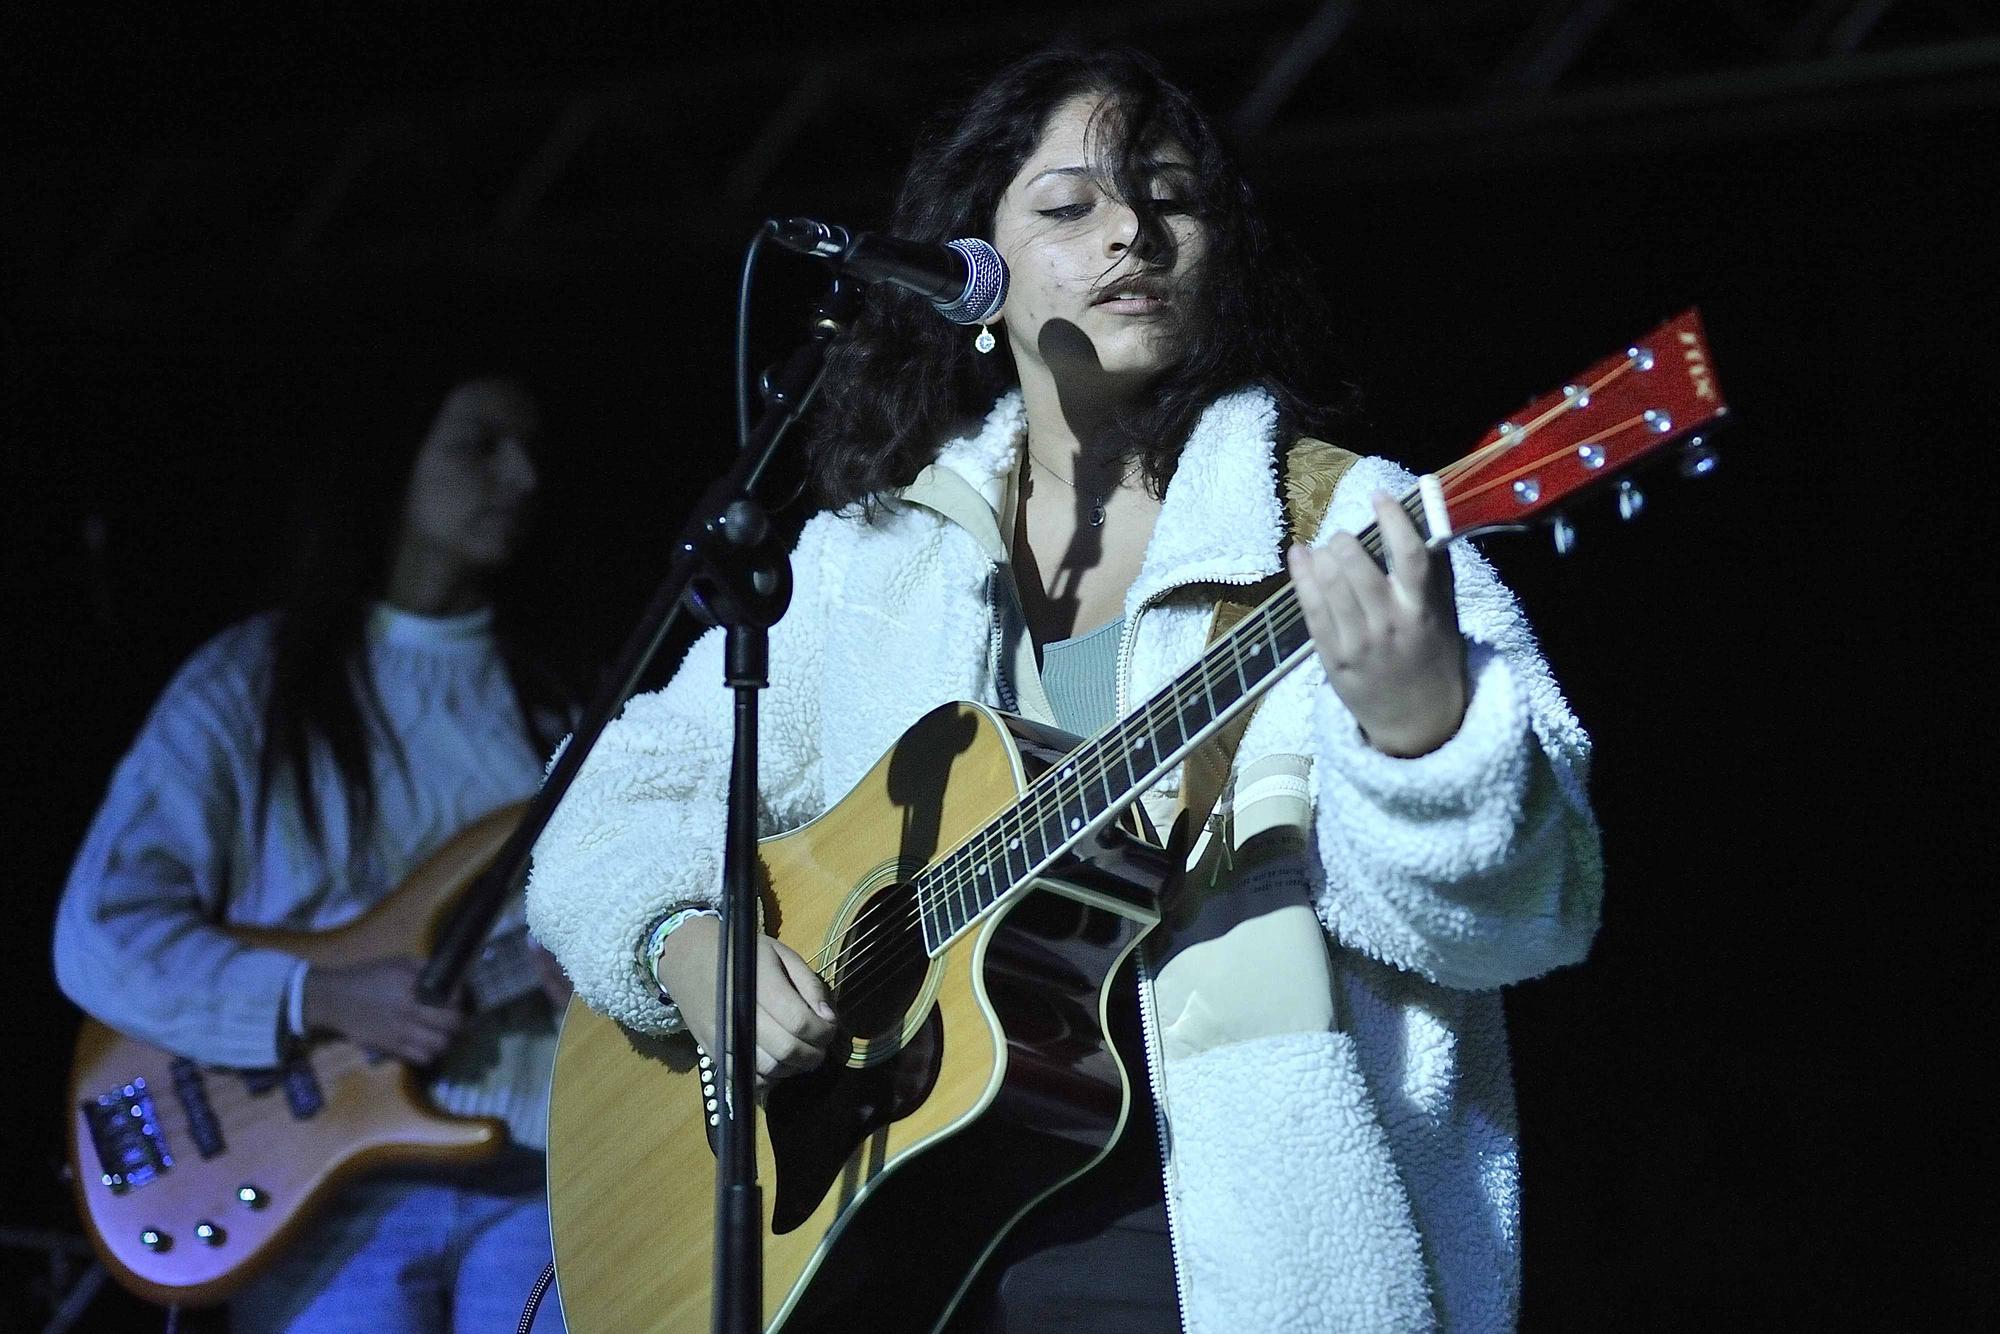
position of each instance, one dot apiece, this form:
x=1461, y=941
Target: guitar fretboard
x=1618, y=412
x=1076, y=798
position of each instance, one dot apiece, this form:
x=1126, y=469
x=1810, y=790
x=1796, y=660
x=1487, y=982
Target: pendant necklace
x=1096, y=499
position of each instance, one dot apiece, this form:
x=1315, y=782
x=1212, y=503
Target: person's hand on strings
x=795, y=1015
x=1389, y=640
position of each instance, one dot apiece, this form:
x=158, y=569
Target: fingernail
x=825, y=1010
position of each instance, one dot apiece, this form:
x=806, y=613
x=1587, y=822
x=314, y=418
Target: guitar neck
x=1617, y=413
x=1107, y=773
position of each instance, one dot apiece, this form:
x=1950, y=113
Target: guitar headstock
x=1619, y=413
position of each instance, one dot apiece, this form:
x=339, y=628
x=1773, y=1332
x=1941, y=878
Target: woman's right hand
x=376, y=1005
x=795, y=1017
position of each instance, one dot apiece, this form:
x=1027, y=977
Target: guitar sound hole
x=880, y=969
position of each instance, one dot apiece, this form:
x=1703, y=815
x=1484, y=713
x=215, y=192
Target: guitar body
x=973, y=1075
x=964, y=1087
x=147, y=1184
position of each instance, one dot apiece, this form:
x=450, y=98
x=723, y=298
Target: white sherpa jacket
x=1358, y=1173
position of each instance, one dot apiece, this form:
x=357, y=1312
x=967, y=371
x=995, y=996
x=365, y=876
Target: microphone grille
x=985, y=283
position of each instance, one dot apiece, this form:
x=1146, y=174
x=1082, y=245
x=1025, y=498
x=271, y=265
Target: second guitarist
x=295, y=770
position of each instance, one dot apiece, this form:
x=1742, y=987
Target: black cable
x=743, y=335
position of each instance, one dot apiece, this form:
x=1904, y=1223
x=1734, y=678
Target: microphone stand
x=726, y=562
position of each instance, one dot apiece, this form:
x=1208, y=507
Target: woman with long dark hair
x=296, y=769
x=1044, y=516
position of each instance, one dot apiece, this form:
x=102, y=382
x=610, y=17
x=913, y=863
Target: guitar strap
x=1312, y=469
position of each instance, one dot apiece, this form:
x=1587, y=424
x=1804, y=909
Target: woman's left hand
x=1390, y=642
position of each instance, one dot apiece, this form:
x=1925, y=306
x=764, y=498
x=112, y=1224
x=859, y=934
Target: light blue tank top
x=1079, y=675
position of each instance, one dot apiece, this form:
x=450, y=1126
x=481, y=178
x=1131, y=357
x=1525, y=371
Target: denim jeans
x=434, y=1253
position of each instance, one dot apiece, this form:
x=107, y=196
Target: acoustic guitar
x=191, y=1178
x=969, y=903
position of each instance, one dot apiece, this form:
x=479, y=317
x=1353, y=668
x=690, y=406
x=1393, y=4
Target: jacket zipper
x=996, y=641
x=1128, y=638
x=1149, y=1031
x=1149, y=1025
x=1148, y=1015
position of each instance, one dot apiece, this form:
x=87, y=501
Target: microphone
x=965, y=279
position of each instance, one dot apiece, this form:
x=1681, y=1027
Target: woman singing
x=1041, y=517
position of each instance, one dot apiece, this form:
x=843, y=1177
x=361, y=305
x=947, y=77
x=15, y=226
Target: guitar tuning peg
x=1565, y=536
x=1698, y=457
x=1631, y=500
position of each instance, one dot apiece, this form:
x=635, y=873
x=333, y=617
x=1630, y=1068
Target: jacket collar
x=1221, y=521
x=988, y=456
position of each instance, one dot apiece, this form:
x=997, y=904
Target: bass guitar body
x=191, y=1178
x=969, y=1080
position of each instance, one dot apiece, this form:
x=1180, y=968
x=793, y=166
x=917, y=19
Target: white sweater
x=171, y=855
x=1362, y=1177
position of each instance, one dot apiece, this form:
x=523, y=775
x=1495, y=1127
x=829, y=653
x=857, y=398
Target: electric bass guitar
x=968, y=903
x=190, y=1178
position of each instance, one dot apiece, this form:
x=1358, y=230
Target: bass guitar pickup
x=125, y=1130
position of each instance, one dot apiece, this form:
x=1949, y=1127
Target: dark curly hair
x=904, y=381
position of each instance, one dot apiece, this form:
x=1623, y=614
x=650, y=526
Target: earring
x=984, y=342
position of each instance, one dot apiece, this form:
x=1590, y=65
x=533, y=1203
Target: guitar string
x=987, y=845
x=230, y=1099
x=1533, y=464
x=858, y=968
x=959, y=871
x=1520, y=435
x=1095, y=764
x=989, y=841
x=1276, y=616
x=992, y=845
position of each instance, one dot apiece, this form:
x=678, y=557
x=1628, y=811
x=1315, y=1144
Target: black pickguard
x=903, y=1255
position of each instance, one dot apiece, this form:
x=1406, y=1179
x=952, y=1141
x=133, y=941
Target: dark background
x=1758, y=1100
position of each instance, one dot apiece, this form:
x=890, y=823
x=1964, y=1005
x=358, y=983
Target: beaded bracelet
x=656, y=942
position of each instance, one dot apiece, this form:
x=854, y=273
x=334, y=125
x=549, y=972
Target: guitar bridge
x=125, y=1131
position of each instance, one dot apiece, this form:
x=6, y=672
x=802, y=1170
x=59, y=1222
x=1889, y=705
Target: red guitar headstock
x=1621, y=411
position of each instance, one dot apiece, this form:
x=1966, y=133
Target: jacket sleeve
x=642, y=827
x=136, y=940
x=1478, y=864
